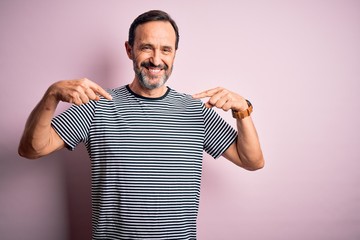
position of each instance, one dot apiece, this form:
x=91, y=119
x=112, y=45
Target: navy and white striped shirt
x=146, y=160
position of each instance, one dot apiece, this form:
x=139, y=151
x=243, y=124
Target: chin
x=153, y=85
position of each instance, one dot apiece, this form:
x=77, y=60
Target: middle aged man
x=145, y=140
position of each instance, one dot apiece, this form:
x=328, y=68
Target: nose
x=156, y=58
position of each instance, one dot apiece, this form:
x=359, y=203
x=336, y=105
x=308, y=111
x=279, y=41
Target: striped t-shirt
x=146, y=160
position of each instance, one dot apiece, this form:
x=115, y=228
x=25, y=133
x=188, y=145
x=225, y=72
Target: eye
x=146, y=48
x=167, y=50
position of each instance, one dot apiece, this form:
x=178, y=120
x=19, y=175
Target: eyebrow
x=152, y=45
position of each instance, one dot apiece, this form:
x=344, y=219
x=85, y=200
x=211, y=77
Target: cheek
x=139, y=58
x=169, y=62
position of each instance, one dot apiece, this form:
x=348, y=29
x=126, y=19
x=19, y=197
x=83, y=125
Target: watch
x=244, y=113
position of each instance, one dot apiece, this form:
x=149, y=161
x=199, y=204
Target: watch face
x=248, y=103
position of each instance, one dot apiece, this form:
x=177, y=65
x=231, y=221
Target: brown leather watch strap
x=243, y=114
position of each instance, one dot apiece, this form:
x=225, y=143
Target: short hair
x=152, y=15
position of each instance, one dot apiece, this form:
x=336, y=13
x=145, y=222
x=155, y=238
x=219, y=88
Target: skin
x=154, y=44
x=39, y=138
x=153, y=55
x=245, y=152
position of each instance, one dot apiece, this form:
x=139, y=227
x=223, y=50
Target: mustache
x=148, y=64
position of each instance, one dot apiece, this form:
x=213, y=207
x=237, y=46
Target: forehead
x=155, y=32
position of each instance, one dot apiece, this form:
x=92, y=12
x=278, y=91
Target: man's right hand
x=39, y=138
x=78, y=91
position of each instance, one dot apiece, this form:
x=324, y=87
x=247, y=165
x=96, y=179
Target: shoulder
x=117, y=92
x=184, y=98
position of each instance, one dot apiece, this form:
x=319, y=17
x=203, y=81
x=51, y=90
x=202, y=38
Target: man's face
x=153, y=53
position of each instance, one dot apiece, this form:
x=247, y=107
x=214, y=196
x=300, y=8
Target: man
x=145, y=140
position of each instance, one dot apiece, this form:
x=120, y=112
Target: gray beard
x=144, y=81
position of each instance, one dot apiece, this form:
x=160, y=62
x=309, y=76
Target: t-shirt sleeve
x=73, y=125
x=219, y=135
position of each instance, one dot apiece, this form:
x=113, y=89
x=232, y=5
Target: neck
x=137, y=88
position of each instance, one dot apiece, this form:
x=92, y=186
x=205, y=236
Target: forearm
x=38, y=134
x=39, y=138
x=248, y=145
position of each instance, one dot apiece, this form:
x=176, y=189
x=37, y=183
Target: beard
x=148, y=81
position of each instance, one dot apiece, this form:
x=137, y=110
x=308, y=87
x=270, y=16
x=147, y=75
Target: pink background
x=297, y=61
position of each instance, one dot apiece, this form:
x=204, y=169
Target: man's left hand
x=222, y=98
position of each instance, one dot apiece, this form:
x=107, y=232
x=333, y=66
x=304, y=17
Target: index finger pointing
x=207, y=93
x=100, y=91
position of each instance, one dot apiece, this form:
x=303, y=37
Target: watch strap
x=244, y=113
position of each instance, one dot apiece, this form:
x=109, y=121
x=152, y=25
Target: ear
x=128, y=49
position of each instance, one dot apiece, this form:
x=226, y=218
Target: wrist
x=50, y=100
x=53, y=92
x=241, y=114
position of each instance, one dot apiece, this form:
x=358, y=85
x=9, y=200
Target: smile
x=154, y=70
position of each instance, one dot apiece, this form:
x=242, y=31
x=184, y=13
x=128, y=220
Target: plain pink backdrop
x=297, y=61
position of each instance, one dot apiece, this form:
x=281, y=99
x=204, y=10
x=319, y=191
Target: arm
x=245, y=151
x=39, y=138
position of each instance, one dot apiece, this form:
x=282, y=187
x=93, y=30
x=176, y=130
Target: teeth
x=156, y=70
